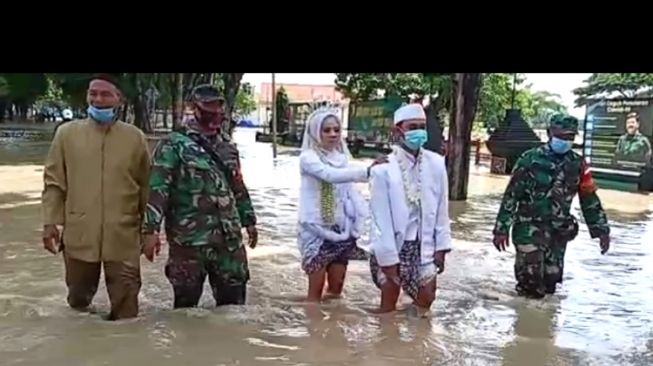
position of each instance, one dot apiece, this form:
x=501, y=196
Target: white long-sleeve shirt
x=391, y=215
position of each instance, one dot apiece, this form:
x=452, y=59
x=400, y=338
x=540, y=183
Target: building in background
x=297, y=94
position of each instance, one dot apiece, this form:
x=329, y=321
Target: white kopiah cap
x=409, y=111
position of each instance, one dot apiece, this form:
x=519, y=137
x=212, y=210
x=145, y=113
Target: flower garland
x=327, y=203
x=327, y=197
x=413, y=191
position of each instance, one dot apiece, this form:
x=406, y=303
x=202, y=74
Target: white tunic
x=350, y=208
x=414, y=219
x=391, y=213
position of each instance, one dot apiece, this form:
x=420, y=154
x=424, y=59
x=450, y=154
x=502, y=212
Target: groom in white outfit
x=410, y=232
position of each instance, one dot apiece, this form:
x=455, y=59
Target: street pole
x=274, y=119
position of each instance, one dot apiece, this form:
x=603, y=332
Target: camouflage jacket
x=538, y=198
x=202, y=204
x=633, y=148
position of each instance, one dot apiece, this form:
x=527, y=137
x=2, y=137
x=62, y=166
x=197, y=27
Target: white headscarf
x=340, y=155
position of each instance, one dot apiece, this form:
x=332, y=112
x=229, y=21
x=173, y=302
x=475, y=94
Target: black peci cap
x=113, y=79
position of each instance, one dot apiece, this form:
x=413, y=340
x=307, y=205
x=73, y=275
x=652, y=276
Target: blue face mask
x=560, y=146
x=415, y=139
x=101, y=115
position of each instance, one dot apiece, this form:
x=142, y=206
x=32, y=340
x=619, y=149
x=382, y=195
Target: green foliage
x=25, y=88
x=494, y=98
x=544, y=105
x=4, y=87
x=245, y=102
x=369, y=86
x=53, y=96
x=359, y=87
x=603, y=84
x=73, y=87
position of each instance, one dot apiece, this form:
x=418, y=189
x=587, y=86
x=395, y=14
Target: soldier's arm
x=164, y=162
x=647, y=152
x=590, y=204
x=514, y=191
x=241, y=194
x=230, y=156
x=53, y=196
x=620, y=144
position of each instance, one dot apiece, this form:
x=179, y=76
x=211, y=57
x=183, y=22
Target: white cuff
x=386, y=259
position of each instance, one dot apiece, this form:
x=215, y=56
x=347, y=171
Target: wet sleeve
x=325, y=234
x=620, y=145
x=647, y=152
x=53, y=196
x=382, y=233
x=241, y=194
x=164, y=162
x=442, y=223
x=618, y=151
x=514, y=191
x=311, y=164
x=361, y=212
x=590, y=204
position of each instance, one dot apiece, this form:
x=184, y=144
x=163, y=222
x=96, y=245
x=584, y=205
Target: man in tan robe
x=96, y=186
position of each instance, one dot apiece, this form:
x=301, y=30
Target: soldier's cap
x=207, y=98
x=564, y=122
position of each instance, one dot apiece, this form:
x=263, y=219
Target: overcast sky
x=561, y=84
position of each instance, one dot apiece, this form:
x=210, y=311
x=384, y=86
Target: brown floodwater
x=602, y=314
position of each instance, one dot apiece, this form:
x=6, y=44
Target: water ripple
x=601, y=315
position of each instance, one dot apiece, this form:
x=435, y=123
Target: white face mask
x=560, y=146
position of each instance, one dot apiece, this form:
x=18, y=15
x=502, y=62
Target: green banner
x=372, y=120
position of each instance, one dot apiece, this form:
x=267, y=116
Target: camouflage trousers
x=188, y=267
x=539, y=268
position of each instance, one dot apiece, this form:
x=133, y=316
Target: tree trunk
x=11, y=111
x=21, y=110
x=125, y=109
x=3, y=109
x=466, y=90
x=165, y=117
x=231, y=83
x=433, y=126
x=141, y=119
x=177, y=101
x=190, y=81
x=205, y=78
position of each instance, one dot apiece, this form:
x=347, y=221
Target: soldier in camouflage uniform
x=633, y=146
x=197, y=186
x=536, y=204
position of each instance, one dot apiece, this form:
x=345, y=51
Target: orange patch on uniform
x=587, y=185
x=238, y=176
